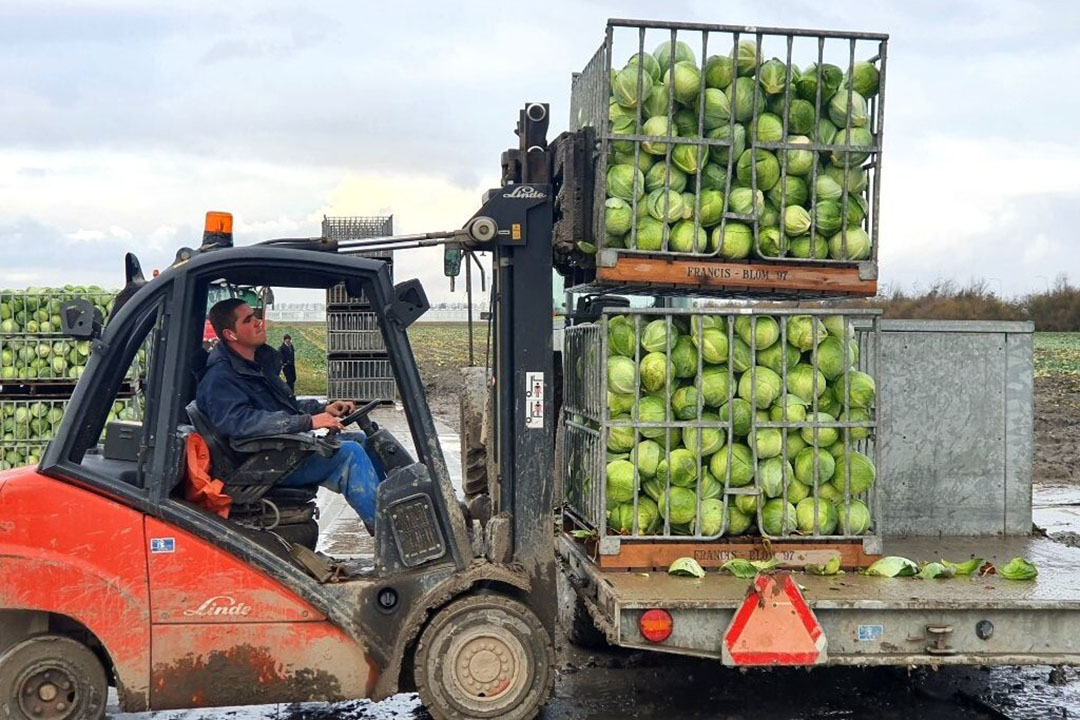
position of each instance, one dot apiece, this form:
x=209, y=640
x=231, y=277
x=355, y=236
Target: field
x=1057, y=407
x=441, y=350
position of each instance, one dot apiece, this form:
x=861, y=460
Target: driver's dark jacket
x=244, y=399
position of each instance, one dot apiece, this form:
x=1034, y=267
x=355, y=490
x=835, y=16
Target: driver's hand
x=325, y=420
x=340, y=408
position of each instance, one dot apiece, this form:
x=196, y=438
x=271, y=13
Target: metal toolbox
x=771, y=193
x=353, y=332
x=723, y=437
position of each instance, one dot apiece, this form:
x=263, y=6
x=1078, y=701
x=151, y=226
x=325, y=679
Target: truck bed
x=872, y=620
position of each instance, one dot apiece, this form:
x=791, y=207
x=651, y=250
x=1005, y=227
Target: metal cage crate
x=28, y=312
x=17, y=453
x=353, y=332
x=769, y=195
x=339, y=297
x=49, y=360
x=361, y=379
x=31, y=420
x=703, y=411
x=359, y=227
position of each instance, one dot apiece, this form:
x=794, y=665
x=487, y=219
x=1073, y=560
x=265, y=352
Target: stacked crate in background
x=40, y=366
x=735, y=163
x=357, y=364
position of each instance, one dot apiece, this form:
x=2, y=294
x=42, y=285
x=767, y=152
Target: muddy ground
x=1057, y=429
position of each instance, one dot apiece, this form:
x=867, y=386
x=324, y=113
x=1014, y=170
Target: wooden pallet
x=715, y=276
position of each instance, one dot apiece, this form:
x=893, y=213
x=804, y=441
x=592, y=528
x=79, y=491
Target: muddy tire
x=50, y=676
x=484, y=656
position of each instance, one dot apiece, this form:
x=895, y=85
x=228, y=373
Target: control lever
x=359, y=417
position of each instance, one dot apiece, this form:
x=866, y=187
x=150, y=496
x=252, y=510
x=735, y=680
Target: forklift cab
x=178, y=607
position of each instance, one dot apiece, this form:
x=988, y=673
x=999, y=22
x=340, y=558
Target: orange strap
x=200, y=488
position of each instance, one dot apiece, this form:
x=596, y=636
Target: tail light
x=656, y=625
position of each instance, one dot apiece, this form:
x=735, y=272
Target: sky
x=123, y=121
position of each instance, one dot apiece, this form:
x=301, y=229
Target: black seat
x=251, y=467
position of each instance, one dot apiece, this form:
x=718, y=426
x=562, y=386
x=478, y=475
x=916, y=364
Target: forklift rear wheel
x=51, y=677
x=484, y=656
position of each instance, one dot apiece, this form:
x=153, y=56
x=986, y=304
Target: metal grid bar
x=856, y=158
x=354, y=332
x=731, y=448
x=362, y=390
x=359, y=227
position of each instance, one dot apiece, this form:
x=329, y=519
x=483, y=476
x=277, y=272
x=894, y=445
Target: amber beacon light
x=218, y=229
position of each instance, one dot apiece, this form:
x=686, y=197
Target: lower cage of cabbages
x=720, y=433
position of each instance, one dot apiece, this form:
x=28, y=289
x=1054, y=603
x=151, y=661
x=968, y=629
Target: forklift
x=109, y=576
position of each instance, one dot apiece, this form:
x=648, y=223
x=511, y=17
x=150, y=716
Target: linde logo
x=524, y=191
x=220, y=605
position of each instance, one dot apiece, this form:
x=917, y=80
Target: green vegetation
x=1057, y=353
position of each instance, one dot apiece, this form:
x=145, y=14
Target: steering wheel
x=357, y=416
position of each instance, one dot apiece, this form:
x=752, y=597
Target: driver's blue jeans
x=349, y=471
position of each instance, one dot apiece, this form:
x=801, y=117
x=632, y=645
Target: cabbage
x=863, y=389
x=712, y=207
x=658, y=336
x=650, y=232
x=684, y=403
x=712, y=518
x=689, y=158
x=778, y=517
x=865, y=78
x=617, y=216
x=683, y=505
x=717, y=109
x=827, y=188
x=815, y=517
x=687, y=81
x=662, y=53
x=773, y=357
x=620, y=481
x=621, y=373
x=620, y=438
x=764, y=330
x=863, y=473
x=741, y=356
x=860, y=138
x=657, y=126
x=646, y=455
x=719, y=153
x=625, y=182
x=774, y=474
x=621, y=517
x=789, y=191
x=735, y=241
x=799, y=162
x=769, y=242
x=656, y=371
x=832, y=360
x=665, y=207
x=850, y=244
x=806, y=246
x=766, y=442
x=773, y=76
x=718, y=72
x=746, y=504
x=854, y=518
x=796, y=220
x=826, y=435
x=742, y=464
x=688, y=237
x=624, y=86
x=761, y=386
x=800, y=117
x=713, y=344
x=769, y=128
x=652, y=67
x=797, y=490
x=842, y=112
x=860, y=415
x=805, y=331
x=805, y=462
x=651, y=409
x=850, y=179
x=768, y=168
x=712, y=438
x=710, y=487
x=681, y=468
x=748, y=98
x=738, y=522
x=747, y=57
x=621, y=339
x=746, y=201
x=715, y=383
x=660, y=173
x=807, y=84
x=796, y=409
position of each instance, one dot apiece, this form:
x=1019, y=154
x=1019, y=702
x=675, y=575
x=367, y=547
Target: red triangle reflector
x=774, y=626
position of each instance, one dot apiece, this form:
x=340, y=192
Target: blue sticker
x=162, y=545
x=870, y=633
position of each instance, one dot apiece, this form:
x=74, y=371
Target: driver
x=243, y=396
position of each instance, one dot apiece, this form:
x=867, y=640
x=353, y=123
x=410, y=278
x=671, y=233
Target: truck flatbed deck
x=871, y=620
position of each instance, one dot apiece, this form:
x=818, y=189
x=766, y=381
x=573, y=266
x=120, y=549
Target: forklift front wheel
x=53, y=677
x=484, y=656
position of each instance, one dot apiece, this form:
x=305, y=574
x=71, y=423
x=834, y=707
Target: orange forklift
x=109, y=576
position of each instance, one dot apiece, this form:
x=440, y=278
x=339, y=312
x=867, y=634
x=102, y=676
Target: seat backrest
x=223, y=459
